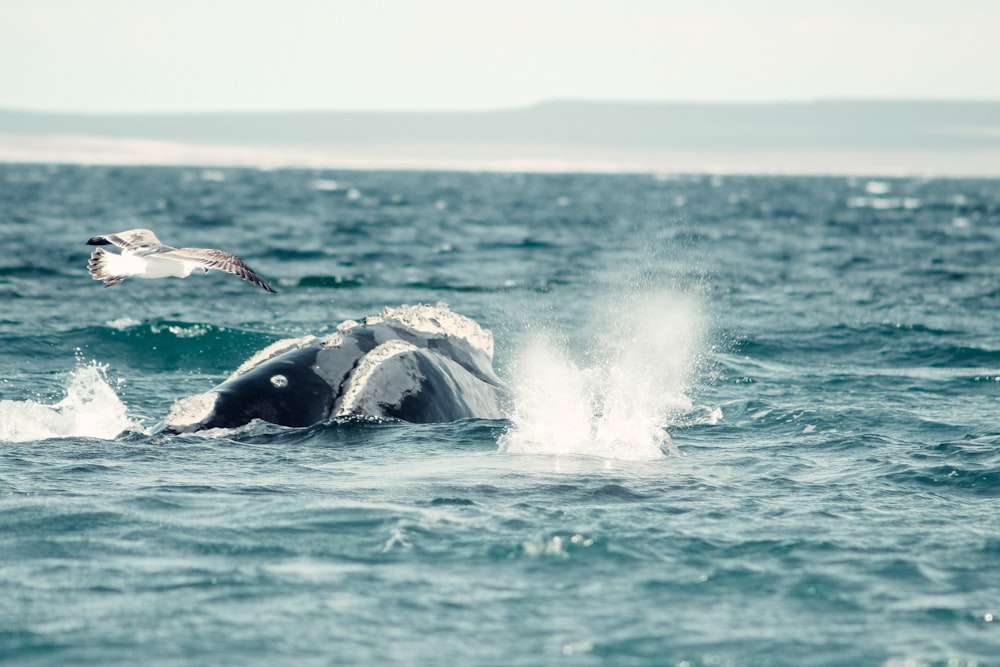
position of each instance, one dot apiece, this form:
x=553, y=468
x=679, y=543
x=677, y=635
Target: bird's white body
x=148, y=266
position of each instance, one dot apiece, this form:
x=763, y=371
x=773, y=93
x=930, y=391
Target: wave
x=347, y=436
x=444, y=286
x=330, y=282
x=951, y=479
x=90, y=409
x=176, y=343
x=435, y=285
x=885, y=345
x=33, y=272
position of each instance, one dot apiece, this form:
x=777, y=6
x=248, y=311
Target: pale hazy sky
x=228, y=55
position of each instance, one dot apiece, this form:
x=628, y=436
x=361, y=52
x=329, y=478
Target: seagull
x=144, y=256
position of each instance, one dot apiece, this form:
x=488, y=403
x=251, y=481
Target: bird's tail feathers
x=103, y=266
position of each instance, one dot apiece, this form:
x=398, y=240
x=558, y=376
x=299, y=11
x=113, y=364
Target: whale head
x=286, y=391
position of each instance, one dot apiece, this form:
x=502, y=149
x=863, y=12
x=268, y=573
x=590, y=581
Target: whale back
x=414, y=363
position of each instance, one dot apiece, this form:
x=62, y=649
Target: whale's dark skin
x=415, y=363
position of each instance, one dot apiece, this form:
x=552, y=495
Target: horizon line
x=504, y=109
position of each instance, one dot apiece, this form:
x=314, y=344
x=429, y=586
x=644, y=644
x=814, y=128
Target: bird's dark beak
x=98, y=240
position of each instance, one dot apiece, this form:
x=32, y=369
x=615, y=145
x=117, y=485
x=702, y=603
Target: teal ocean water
x=753, y=421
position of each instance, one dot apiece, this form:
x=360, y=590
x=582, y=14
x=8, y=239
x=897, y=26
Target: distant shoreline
x=957, y=139
x=542, y=159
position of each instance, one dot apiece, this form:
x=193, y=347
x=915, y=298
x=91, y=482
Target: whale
x=416, y=363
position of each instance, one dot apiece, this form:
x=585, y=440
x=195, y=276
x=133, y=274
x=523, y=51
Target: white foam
x=438, y=320
x=619, y=405
x=324, y=185
x=213, y=175
x=877, y=187
x=90, y=409
x=123, y=323
x=191, y=410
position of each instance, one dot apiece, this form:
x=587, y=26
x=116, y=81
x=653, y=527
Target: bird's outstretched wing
x=220, y=260
x=133, y=239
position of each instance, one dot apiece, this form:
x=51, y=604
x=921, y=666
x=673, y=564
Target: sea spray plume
x=90, y=409
x=143, y=256
x=634, y=384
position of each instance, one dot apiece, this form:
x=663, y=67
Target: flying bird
x=143, y=256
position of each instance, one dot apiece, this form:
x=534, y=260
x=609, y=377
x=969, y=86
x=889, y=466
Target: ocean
x=752, y=421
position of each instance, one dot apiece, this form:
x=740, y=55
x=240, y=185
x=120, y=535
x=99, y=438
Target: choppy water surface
x=753, y=422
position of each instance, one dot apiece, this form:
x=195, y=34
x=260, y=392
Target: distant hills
x=910, y=135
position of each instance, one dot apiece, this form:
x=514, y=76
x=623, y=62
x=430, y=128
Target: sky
x=437, y=55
